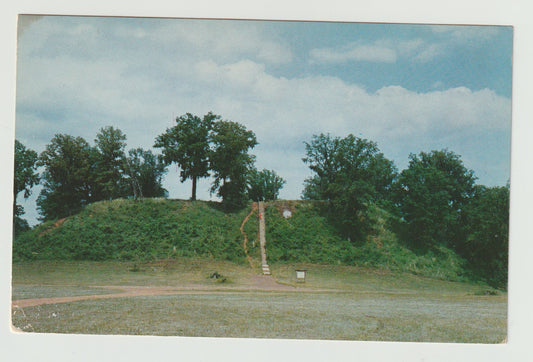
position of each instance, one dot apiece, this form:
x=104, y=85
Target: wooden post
x=262, y=239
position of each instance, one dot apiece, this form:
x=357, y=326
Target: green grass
x=365, y=279
x=337, y=316
x=367, y=304
x=174, y=272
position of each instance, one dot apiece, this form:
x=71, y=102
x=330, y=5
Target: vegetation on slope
x=136, y=230
x=308, y=237
x=157, y=228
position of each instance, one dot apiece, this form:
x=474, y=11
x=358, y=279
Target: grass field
x=339, y=302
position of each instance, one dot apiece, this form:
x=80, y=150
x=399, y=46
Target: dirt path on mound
x=245, y=243
x=265, y=283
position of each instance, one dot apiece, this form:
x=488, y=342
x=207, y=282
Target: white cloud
x=401, y=121
x=438, y=85
x=383, y=51
x=285, y=108
x=138, y=78
x=417, y=49
x=226, y=40
x=354, y=52
x=429, y=53
x=409, y=47
x=463, y=33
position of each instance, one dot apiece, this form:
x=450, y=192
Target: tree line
x=77, y=173
x=434, y=203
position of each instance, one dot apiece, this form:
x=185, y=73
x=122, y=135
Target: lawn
x=362, y=304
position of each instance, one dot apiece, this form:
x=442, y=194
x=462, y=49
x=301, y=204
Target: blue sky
x=410, y=88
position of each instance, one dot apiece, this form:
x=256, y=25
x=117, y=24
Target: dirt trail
x=245, y=243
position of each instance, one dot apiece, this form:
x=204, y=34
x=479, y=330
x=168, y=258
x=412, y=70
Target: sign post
x=300, y=275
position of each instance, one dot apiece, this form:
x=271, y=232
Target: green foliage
x=486, y=221
x=350, y=173
x=110, y=146
x=136, y=230
x=25, y=177
x=144, y=172
x=150, y=229
x=69, y=176
x=25, y=173
x=304, y=237
x=19, y=224
x=187, y=144
x=229, y=160
x=431, y=194
x=77, y=174
x=308, y=237
x=263, y=185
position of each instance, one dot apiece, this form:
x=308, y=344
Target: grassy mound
x=296, y=232
x=133, y=230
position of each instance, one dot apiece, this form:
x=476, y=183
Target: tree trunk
x=193, y=196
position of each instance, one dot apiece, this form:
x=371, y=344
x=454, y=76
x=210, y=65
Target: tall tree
x=431, y=194
x=25, y=177
x=68, y=178
x=230, y=161
x=110, y=145
x=350, y=173
x=486, y=245
x=187, y=145
x=145, y=171
x=263, y=185
x=322, y=157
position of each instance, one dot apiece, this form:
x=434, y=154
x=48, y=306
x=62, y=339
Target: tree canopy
x=145, y=171
x=68, y=178
x=485, y=220
x=431, y=194
x=349, y=172
x=77, y=173
x=263, y=185
x=230, y=161
x=110, y=145
x=187, y=144
x=25, y=177
x=25, y=173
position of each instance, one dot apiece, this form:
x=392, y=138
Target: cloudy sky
x=410, y=88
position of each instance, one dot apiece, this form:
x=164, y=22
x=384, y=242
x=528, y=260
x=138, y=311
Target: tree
x=263, y=185
x=145, y=171
x=229, y=160
x=187, y=144
x=25, y=177
x=350, y=173
x=110, y=145
x=431, y=194
x=323, y=159
x=486, y=245
x=68, y=178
